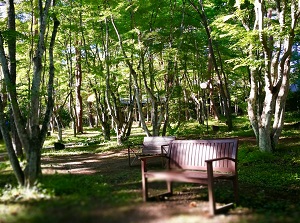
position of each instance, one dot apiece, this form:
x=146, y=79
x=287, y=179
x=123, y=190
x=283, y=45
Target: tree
x=268, y=43
x=275, y=25
x=154, y=81
x=31, y=135
x=217, y=64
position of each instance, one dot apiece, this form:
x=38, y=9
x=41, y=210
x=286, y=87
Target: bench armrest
x=164, y=149
x=221, y=158
x=146, y=157
x=210, y=168
x=135, y=145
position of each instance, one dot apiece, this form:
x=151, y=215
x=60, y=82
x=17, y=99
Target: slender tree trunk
x=213, y=106
x=135, y=81
x=104, y=119
x=78, y=78
x=13, y=69
x=102, y=112
x=279, y=114
x=253, y=103
x=58, y=124
x=222, y=79
x=69, y=59
x=109, y=95
x=9, y=147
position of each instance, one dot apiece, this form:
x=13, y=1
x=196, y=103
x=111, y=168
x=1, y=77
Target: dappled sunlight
x=101, y=187
x=12, y=194
x=188, y=205
x=162, y=212
x=12, y=211
x=78, y=164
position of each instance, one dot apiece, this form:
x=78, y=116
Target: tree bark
x=32, y=137
x=9, y=147
x=78, y=78
x=102, y=112
x=267, y=116
x=222, y=79
x=135, y=80
x=13, y=69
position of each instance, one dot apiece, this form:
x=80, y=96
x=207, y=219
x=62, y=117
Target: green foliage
x=188, y=129
x=65, y=116
x=12, y=34
x=169, y=33
x=4, y=165
x=293, y=103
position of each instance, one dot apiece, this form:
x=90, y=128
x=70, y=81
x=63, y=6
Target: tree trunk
x=13, y=69
x=267, y=120
x=278, y=122
x=222, y=79
x=78, y=78
x=102, y=115
x=31, y=136
x=135, y=81
x=253, y=103
x=9, y=147
x=59, y=126
x=91, y=114
x=112, y=100
x=33, y=166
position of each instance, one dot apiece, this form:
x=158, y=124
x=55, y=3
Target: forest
x=113, y=66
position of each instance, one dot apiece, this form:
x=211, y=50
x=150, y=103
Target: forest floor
x=91, y=182
x=185, y=206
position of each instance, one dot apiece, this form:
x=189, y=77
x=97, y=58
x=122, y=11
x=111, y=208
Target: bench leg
x=129, y=162
x=144, y=181
x=145, y=189
x=211, y=196
x=129, y=157
x=170, y=187
x=235, y=190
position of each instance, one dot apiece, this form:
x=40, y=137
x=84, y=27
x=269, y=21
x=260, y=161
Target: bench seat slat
x=185, y=176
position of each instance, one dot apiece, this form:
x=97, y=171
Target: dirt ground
x=181, y=208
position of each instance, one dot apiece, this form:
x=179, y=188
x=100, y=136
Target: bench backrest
x=191, y=154
x=152, y=144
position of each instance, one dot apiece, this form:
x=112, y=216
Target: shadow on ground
x=188, y=205
x=112, y=194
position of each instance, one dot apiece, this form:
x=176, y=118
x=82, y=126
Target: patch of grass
x=190, y=129
x=71, y=197
x=269, y=183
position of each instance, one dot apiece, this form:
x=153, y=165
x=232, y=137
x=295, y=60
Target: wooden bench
x=197, y=161
x=151, y=146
